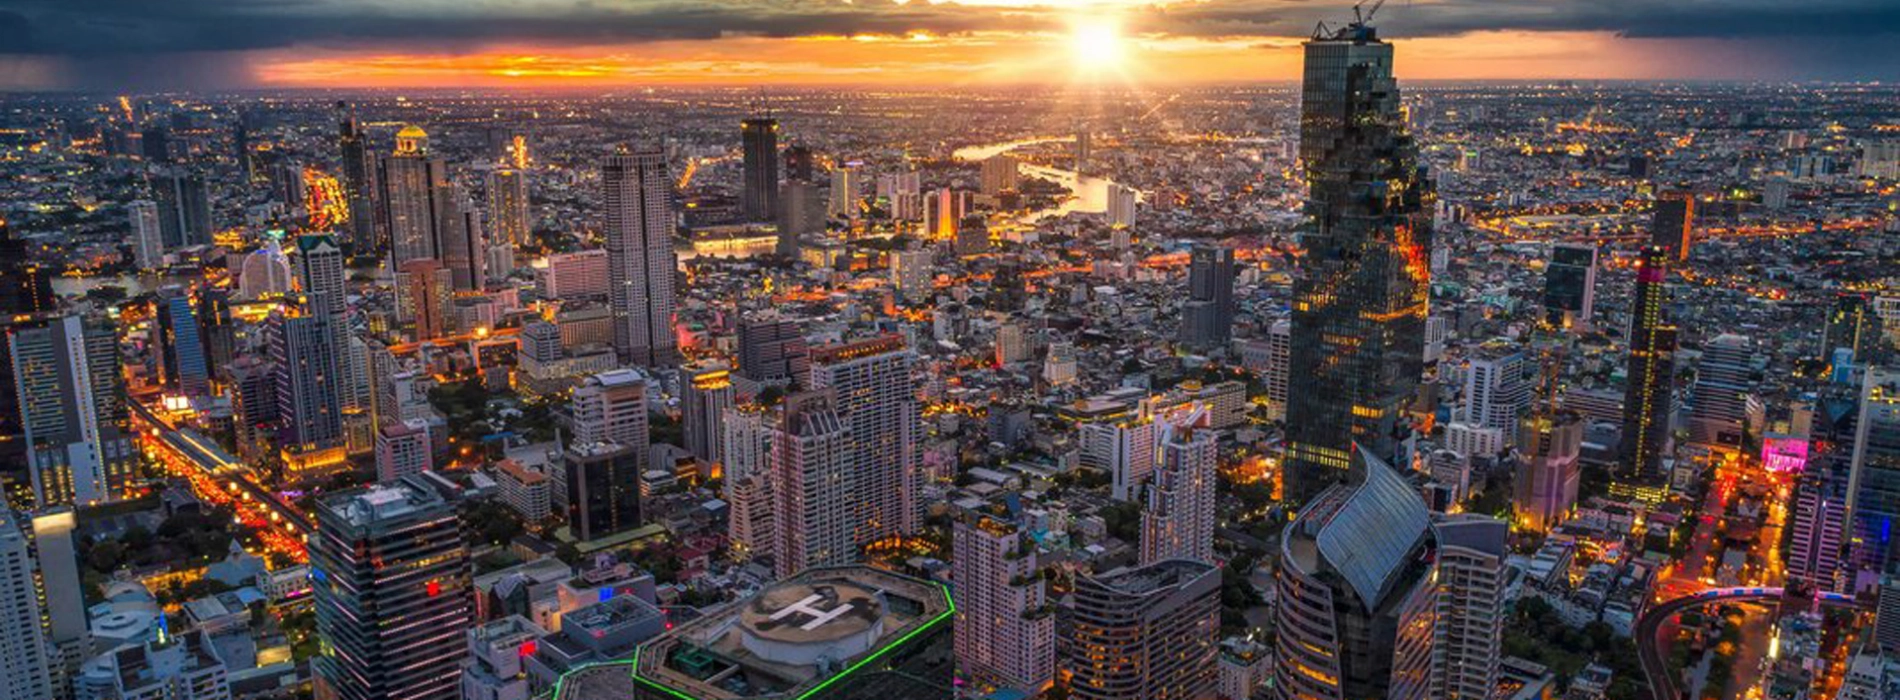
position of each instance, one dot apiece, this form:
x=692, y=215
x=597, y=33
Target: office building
x=498, y=660
x=1149, y=632
x=56, y=551
x=425, y=294
x=603, y=489
x=1497, y=388
x=23, y=643
x=184, y=208
x=1725, y=405
x=913, y=273
x=1549, y=445
x=1817, y=523
x=359, y=185
x=1672, y=226
x=813, y=487
x=706, y=394
x=844, y=203
x=582, y=274
x=72, y=412
x=181, y=348
x=845, y=633
x=320, y=268
x=1359, y=304
x=801, y=211
x=758, y=194
x=1005, y=624
x=875, y=396
x=1355, y=591
x=148, y=242
x=1873, y=485
x=944, y=212
x=639, y=230
x=1650, y=380
x=1570, y=286
x=419, y=202
x=1178, y=520
x=393, y=599
x=1207, y=315
x=302, y=350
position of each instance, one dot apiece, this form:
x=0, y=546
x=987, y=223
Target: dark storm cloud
x=95, y=27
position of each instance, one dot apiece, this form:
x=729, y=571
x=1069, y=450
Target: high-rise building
x=912, y=272
x=416, y=198
x=1873, y=484
x=944, y=212
x=26, y=295
x=603, y=488
x=705, y=395
x=1124, y=449
x=1121, y=205
x=1149, y=632
x=751, y=516
x=758, y=195
x=65, y=618
x=393, y=598
x=639, y=230
x=876, y=398
x=1468, y=620
x=320, y=268
x=71, y=399
x=844, y=191
x=304, y=355
x=359, y=185
x=1549, y=445
x=1497, y=388
x=801, y=211
x=1570, y=286
x=999, y=173
x=402, y=448
x=148, y=240
x=1005, y=624
x=1207, y=315
x=812, y=486
x=1356, y=591
x=1725, y=405
x=184, y=208
x=1818, y=522
x=772, y=350
x=1672, y=226
x=23, y=642
x=800, y=164
x=425, y=297
x=508, y=207
x=581, y=274
x=611, y=407
x=1652, y=370
x=1360, y=302
x=1178, y=521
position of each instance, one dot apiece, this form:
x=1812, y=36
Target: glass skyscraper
x=1359, y=302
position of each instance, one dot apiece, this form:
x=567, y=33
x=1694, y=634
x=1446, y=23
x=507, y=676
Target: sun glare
x=1097, y=45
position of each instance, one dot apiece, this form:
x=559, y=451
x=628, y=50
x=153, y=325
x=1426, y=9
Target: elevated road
x=1662, y=683
x=218, y=477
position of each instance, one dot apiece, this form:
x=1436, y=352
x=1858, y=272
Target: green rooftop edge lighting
x=656, y=685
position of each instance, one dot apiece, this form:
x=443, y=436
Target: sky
x=220, y=44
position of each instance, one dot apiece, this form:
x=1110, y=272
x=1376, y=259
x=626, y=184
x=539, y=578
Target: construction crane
x=1361, y=21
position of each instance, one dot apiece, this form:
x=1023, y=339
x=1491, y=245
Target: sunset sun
x=1097, y=46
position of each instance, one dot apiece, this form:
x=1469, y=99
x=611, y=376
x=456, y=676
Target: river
x=1090, y=193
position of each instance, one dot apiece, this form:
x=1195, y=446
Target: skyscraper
x=1673, y=224
x=1178, y=522
x=1125, y=449
x=304, y=354
x=1497, y=393
x=876, y=399
x=1355, y=590
x=424, y=292
x=1652, y=370
x=72, y=409
x=26, y=287
x=1149, y=632
x=508, y=205
x=844, y=191
x=812, y=486
x=425, y=214
x=359, y=189
x=1005, y=626
x=800, y=164
x=1359, y=301
x=1570, y=286
x=611, y=407
x=772, y=350
x=320, y=277
x=999, y=174
x=64, y=615
x=23, y=643
x=1873, y=483
x=758, y=197
x=1207, y=316
x=393, y=599
x=148, y=241
x=639, y=230
x=184, y=208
